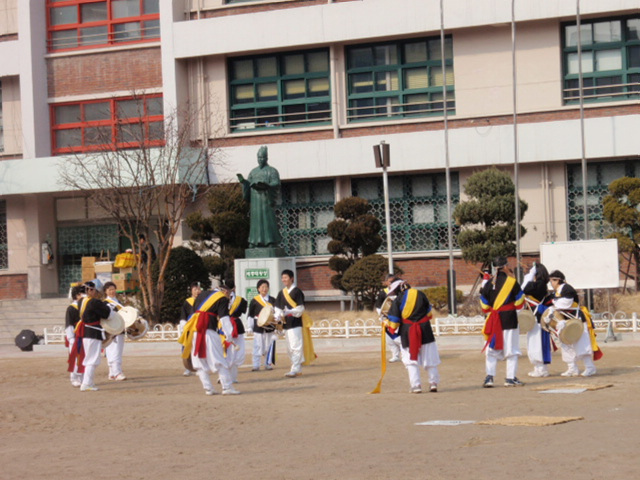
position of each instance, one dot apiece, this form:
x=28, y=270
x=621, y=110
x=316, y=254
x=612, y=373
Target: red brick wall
x=126, y=70
x=426, y=272
x=261, y=139
x=13, y=287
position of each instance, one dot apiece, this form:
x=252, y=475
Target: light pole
x=382, y=157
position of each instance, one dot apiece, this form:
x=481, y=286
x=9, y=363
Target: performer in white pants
x=500, y=299
x=210, y=319
x=92, y=309
x=115, y=349
x=566, y=300
x=72, y=318
x=534, y=287
x=394, y=343
x=291, y=316
x=237, y=308
x=264, y=338
x=410, y=316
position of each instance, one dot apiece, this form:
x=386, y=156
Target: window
x=418, y=208
x=4, y=251
x=304, y=211
x=400, y=79
x=610, y=60
x=74, y=24
x=1, y=122
x=599, y=176
x=112, y=123
x=283, y=90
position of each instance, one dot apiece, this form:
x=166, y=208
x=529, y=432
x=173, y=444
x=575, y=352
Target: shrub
x=185, y=266
x=439, y=297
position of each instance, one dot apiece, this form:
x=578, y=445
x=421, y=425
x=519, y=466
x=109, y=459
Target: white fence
x=371, y=327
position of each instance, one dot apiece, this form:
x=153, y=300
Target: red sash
x=234, y=322
x=76, y=355
x=415, y=335
x=493, y=327
x=201, y=329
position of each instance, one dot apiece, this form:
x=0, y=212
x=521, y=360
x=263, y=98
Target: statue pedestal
x=264, y=252
x=249, y=270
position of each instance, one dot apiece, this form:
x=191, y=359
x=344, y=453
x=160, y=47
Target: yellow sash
x=261, y=301
x=503, y=294
x=410, y=303
x=307, y=341
x=191, y=300
x=186, y=338
x=83, y=306
x=236, y=304
x=592, y=333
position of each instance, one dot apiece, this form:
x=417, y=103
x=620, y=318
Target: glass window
x=90, y=23
x=285, y=90
x=610, y=60
x=399, y=79
x=418, y=209
x=93, y=125
x=304, y=211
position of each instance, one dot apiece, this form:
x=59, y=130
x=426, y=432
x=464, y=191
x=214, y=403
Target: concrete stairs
x=36, y=315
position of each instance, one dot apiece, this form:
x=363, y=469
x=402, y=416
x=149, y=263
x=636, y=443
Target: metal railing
x=370, y=327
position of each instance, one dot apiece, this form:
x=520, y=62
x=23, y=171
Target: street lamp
x=383, y=160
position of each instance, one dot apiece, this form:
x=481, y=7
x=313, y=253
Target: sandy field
x=322, y=425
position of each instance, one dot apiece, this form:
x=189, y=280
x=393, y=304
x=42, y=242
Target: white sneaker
x=269, y=367
x=433, y=387
x=230, y=391
x=570, y=373
x=538, y=374
x=255, y=369
x=416, y=389
x=120, y=377
x=88, y=388
x=292, y=374
x=187, y=373
x=588, y=373
x=210, y=392
x=394, y=360
x=75, y=383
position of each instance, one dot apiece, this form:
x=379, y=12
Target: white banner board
x=585, y=263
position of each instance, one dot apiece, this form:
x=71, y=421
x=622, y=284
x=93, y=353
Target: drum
x=526, y=320
x=138, y=330
x=266, y=317
x=550, y=319
x=129, y=315
x=188, y=364
x=386, y=305
x=108, y=338
x=114, y=324
x=571, y=332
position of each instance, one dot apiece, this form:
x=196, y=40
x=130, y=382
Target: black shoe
x=512, y=382
x=488, y=382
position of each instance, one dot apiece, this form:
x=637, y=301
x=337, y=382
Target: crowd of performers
x=406, y=315
x=211, y=331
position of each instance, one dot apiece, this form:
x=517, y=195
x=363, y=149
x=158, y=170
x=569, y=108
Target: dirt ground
x=322, y=425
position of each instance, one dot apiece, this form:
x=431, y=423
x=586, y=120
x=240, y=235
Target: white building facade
x=320, y=83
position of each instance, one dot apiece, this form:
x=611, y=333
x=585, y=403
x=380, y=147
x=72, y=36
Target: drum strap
x=415, y=334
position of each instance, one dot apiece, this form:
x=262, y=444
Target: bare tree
x=144, y=175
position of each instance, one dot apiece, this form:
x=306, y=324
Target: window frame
x=280, y=103
x=400, y=68
x=113, y=122
x=570, y=93
x=147, y=35
x=407, y=235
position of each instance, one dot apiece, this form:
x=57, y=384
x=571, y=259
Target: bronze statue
x=261, y=191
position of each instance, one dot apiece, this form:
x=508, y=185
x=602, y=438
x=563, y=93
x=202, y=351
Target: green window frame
x=284, y=90
x=304, y=210
x=599, y=176
x=610, y=59
x=399, y=79
x=418, y=209
x=4, y=248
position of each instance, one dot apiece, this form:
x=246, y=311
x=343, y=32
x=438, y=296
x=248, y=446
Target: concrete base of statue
x=264, y=252
x=249, y=270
